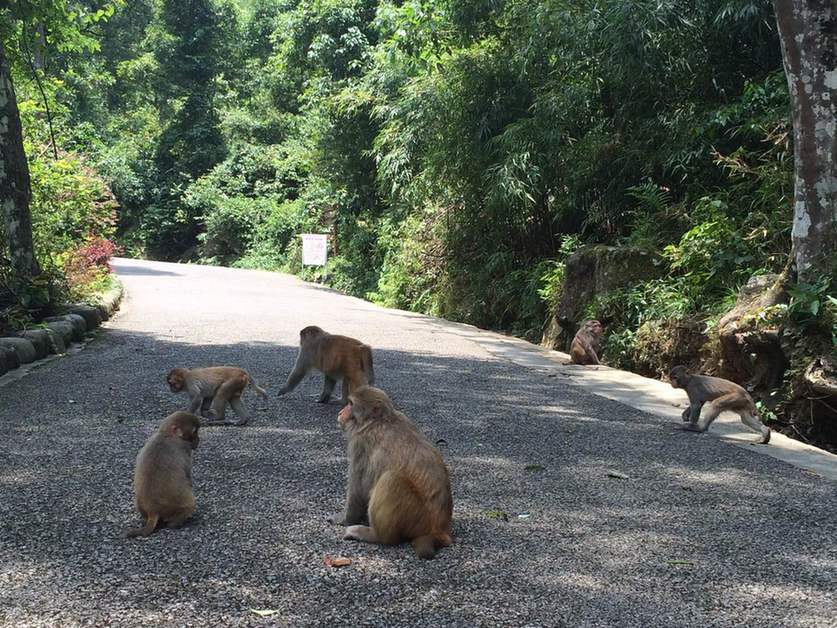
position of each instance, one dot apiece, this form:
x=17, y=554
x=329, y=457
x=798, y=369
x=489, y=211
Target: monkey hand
x=690, y=427
x=338, y=518
x=686, y=412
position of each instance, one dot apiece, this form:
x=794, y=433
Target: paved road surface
x=701, y=533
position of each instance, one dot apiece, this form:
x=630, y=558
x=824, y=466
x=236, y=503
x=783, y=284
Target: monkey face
x=677, y=377
x=187, y=429
x=595, y=327
x=346, y=414
x=175, y=380
x=312, y=331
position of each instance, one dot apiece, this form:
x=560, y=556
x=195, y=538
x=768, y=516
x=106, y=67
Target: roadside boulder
x=52, y=340
x=64, y=330
x=8, y=360
x=750, y=349
x=590, y=271
x=78, y=323
x=40, y=344
x=91, y=315
x=24, y=348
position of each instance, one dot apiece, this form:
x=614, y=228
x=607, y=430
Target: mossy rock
x=594, y=270
x=24, y=348
x=9, y=360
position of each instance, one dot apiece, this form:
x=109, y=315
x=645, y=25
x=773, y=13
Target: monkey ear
x=377, y=411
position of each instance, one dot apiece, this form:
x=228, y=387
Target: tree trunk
x=15, y=192
x=808, y=32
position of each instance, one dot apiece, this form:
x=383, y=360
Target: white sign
x=314, y=249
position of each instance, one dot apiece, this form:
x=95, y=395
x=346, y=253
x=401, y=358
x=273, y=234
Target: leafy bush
x=87, y=268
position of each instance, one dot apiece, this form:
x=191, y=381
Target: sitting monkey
x=398, y=481
x=336, y=357
x=163, y=474
x=722, y=395
x=586, y=344
x=220, y=384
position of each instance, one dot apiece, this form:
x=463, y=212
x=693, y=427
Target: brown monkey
x=221, y=384
x=163, y=474
x=337, y=357
x=397, y=479
x=722, y=395
x=586, y=344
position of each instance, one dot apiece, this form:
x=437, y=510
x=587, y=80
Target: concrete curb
x=33, y=347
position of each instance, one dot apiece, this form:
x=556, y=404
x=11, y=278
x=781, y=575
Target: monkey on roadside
x=722, y=395
x=220, y=384
x=336, y=357
x=398, y=482
x=163, y=474
x=586, y=344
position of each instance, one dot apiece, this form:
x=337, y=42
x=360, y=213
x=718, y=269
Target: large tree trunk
x=15, y=192
x=808, y=31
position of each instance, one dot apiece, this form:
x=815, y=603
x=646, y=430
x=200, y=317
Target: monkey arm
x=592, y=356
x=294, y=378
x=195, y=403
x=357, y=498
x=694, y=412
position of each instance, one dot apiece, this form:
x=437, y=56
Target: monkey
x=398, y=482
x=220, y=384
x=722, y=395
x=163, y=474
x=587, y=343
x=337, y=357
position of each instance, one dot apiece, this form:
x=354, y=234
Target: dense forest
x=460, y=154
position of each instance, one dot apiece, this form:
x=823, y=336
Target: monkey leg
x=225, y=393
x=328, y=387
x=177, y=520
x=752, y=421
x=240, y=411
x=702, y=424
x=361, y=533
x=150, y=523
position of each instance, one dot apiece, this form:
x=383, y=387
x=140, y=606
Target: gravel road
x=700, y=533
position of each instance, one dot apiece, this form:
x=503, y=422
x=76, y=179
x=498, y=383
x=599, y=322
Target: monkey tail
x=426, y=546
x=261, y=391
x=147, y=529
x=366, y=362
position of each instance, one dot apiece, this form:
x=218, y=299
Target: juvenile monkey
x=220, y=384
x=337, y=357
x=398, y=481
x=163, y=474
x=586, y=344
x=722, y=395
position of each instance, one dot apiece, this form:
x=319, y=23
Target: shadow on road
x=568, y=508
x=122, y=269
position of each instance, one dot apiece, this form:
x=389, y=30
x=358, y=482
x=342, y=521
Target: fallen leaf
x=497, y=514
x=523, y=515
x=533, y=468
x=617, y=475
x=263, y=612
x=337, y=561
